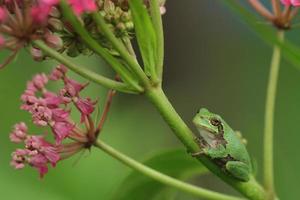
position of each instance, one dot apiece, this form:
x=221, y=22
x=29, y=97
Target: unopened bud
x=37, y=54
x=55, y=24
x=54, y=41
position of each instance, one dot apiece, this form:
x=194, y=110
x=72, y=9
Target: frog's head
x=208, y=124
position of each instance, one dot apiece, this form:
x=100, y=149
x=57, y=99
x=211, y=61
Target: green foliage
x=174, y=163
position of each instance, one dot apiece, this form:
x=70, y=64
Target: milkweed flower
x=291, y=2
x=52, y=109
x=281, y=18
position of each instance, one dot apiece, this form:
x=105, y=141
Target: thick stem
x=269, y=120
x=162, y=178
x=250, y=189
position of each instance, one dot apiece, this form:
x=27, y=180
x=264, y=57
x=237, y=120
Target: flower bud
x=54, y=41
x=55, y=24
x=37, y=54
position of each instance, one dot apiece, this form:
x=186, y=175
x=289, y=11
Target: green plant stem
x=118, y=45
x=158, y=26
x=162, y=178
x=250, y=189
x=269, y=120
x=120, y=69
x=83, y=71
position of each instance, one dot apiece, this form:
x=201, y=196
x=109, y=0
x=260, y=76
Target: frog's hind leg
x=238, y=170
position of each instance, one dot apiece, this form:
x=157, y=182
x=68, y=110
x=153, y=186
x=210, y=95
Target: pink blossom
x=80, y=6
x=43, y=147
x=19, y=158
x=61, y=130
x=73, y=87
x=60, y=115
x=40, y=80
x=41, y=115
x=291, y=2
x=40, y=14
x=19, y=133
x=85, y=107
x=37, y=153
x=41, y=11
x=58, y=73
x=3, y=14
x=52, y=100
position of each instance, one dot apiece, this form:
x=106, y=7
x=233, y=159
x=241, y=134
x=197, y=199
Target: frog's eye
x=215, y=122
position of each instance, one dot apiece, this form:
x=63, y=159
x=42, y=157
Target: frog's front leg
x=238, y=170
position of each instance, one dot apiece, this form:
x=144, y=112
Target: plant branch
x=158, y=26
x=162, y=178
x=269, y=120
x=84, y=72
x=124, y=73
x=118, y=45
x=250, y=189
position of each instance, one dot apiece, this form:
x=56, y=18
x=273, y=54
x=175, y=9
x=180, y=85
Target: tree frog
x=222, y=144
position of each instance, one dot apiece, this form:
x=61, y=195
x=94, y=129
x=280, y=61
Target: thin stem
x=126, y=41
x=250, y=189
x=276, y=7
x=83, y=71
x=118, y=45
x=124, y=73
x=107, y=106
x=162, y=178
x=158, y=26
x=261, y=9
x=269, y=120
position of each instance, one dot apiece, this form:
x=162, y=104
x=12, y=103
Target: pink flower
x=19, y=158
x=49, y=109
x=3, y=14
x=85, y=107
x=73, y=87
x=43, y=147
x=40, y=80
x=37, y=153
x=41, y=11
x=19, y=133
x=291, y=2
x=80, y=6
x=39, y=14
x=60, y=115
x=58, y=73
x=52, y=100
x=61, y=130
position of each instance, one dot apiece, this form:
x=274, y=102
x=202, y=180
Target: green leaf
x=145, y=35
x=267, y=33
x=175, y=163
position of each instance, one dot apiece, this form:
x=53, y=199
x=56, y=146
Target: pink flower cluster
x=295, y=3
x=37, y=153
x=50, y=109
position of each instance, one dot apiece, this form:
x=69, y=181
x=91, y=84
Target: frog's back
x=235, y=146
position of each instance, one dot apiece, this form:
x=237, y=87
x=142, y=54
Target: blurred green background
x=212, y=60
